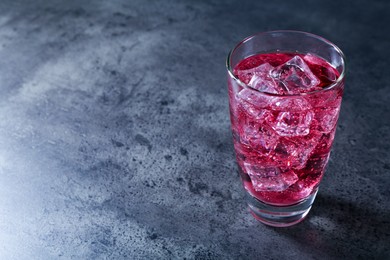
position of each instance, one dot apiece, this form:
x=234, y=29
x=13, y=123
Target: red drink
x=282, y=134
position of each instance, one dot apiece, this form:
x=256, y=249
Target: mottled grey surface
x=115, y=139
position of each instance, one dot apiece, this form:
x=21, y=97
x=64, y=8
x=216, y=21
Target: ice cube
x=325, y=143
x=294, y=152
x=259, y=78
x=326, y=68
x=257, y=113
x=329, y=98
x=265, y=84
x=293, y=104
x=261, y=70
x=254, y=98
x=259, y=137
x=270, y=178
x=310, y=176
x=304, y=188
x=326, y=118
x=295, y=76
x=250, y=135
x=293, y=123
x=292, y=116
x=249, y=155
x=253, y=103
x=315, y=166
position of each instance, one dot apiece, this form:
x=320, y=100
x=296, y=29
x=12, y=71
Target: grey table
x=115, y=139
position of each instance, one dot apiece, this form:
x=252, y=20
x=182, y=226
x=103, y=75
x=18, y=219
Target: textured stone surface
x=115, y=139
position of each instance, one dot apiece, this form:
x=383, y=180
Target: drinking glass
x=283, y=141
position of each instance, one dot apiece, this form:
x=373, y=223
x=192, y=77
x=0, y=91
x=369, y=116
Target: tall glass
x=283, y=141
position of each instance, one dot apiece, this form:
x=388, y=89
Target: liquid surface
x=283, y=142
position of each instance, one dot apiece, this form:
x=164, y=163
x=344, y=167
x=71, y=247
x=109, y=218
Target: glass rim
x=331, y=86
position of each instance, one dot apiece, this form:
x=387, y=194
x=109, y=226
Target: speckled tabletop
x=115, y=139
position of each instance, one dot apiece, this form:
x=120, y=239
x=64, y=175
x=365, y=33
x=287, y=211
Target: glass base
x=280, y=216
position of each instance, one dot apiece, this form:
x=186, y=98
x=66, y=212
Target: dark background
x=115, y=139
